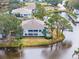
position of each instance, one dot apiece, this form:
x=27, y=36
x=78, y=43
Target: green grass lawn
x=34, y=42
x=31, y=42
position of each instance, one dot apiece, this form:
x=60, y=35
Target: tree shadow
x=13, y=54
x=54, y=54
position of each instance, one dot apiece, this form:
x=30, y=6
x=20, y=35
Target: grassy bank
x=31, y=42
x=34, y=42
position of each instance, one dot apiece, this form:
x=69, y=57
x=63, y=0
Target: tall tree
x=39, y=12
x=73, y=3
x=57, y=24
x=56, y=21
x=9, y=24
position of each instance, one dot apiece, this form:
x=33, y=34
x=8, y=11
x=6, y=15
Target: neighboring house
x=33, y=27
x=24, y=11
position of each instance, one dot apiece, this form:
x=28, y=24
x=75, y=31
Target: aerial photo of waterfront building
x=39, y=29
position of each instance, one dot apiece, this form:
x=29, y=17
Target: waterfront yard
x=30, y=42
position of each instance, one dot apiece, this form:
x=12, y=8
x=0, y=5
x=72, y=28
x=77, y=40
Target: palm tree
x=39, y=12
x=56, y=21
x=57, y=24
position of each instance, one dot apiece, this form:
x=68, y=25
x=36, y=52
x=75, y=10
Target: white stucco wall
x=0, y=35
x=39, y=33
x=24, y=12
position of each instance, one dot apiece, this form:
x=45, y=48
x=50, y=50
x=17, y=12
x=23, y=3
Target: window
x=25, y=34
x=30, y=34
x=35, y=30
x=36, y=34
x=23, y=0
x=17, y=15
x=21, y=15
x=30, y=30
x=25, y=14
x=40, y=30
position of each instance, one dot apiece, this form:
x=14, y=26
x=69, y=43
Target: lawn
x=34, y=41
x=30, y=42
